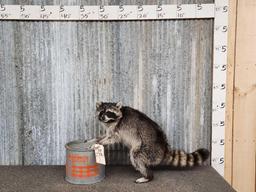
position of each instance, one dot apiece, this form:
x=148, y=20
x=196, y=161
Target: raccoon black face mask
x=145, y=139
x=109, y=112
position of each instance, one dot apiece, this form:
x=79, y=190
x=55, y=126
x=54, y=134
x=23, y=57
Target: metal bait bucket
x=81, y=166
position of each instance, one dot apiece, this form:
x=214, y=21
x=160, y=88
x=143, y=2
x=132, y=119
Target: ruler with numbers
x=219, y=84
x=125, y=12
x=218, y=11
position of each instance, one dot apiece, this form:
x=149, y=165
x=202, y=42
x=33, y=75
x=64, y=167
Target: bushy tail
x=178, y=158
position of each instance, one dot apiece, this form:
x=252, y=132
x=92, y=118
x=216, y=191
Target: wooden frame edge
x=228, y=164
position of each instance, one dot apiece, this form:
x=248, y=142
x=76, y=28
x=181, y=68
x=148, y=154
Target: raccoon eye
x=101, y=113
x=111, y=115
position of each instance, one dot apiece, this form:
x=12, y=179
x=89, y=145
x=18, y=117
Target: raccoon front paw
x=142, y=180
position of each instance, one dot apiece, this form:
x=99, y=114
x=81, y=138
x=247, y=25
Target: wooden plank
x=244, y=99
x=230, y=92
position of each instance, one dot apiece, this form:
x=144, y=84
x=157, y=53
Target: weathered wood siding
x=52, y=74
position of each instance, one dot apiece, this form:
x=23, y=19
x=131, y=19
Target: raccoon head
x=109, y=112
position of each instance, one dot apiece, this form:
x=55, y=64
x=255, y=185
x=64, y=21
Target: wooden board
x=245, y=99
x=230, y=92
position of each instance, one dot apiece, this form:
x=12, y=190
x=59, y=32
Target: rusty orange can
x=81, y=166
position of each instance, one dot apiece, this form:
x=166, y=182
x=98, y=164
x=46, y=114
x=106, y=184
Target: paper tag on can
x=99, y=154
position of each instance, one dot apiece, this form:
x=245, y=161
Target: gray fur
x=146, y=141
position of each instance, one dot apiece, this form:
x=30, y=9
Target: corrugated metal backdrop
x=52, y=74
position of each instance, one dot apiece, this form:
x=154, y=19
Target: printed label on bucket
x=99, y=154
x=78, y=169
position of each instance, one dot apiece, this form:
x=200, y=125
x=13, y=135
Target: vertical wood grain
x=230, y=91
x=244, y=99
x=10, y=97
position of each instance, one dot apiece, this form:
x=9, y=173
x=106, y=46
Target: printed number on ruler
x=218, y=160
x=220, y=56
x=108, y=12
x=89, y=12
x=221, y=14
x=220, y=33
x=4, y=14
x=219, y=106
x=128, y=12
x=166, y=11
x=146, y=12
x=30, y=12
x=204, y=10
x=219, y=142
x=219, y=87
x=218, y=124
x=69, y=12
x=49, y=12
x=185, y=11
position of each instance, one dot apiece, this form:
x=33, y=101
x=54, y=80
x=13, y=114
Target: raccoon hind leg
x=147, y=174
x=140, y=165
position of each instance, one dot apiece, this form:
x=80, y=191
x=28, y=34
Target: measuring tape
x=218, y=11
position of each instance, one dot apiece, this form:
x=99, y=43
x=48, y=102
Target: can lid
x=80, y=145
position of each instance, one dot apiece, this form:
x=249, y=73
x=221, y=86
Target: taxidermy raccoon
x=146, y=141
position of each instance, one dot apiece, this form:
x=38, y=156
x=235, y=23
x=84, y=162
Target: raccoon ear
x=119, y=105
x=98, y=104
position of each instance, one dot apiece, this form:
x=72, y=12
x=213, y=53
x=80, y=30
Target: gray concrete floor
x=118, y=179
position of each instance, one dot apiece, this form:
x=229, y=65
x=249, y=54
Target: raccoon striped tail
x=178, y=158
